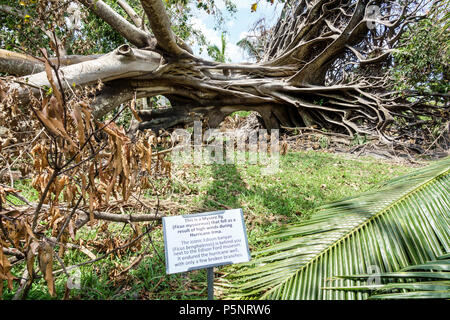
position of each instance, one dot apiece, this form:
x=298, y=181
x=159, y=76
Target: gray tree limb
x=130, y=32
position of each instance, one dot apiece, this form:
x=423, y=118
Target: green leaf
x=414, y=295
x=408, y=285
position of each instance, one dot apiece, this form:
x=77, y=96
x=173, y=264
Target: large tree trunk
x=322, y=67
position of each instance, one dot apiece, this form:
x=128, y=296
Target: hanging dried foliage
x=78, y=166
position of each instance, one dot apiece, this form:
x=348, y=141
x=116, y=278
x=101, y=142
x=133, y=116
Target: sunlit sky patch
x=236, y=27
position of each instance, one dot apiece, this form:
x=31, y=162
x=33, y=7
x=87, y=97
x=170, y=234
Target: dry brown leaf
x=76, y=115
x=55, y=126
x=47, y=123
x=83, y=186
x=62, y=132
x=49, y=72
x=66, y=293
x=55, y=110
x=60, y=183
x=86, y=111
x=91, y=206
x=5, y=270
x=72, y=230
x=31, y=254
x=133, y=110
x=45, y=254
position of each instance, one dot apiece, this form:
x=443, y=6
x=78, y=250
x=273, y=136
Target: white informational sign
x=205, y=240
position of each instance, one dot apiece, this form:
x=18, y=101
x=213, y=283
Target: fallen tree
x=324, y=64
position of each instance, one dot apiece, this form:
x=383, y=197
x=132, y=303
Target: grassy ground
x=305, y=181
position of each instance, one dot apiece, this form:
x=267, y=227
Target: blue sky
x=236, y=26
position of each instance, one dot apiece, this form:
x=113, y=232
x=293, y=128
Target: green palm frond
x=216, y=53
x=404, y=222
x=224, y=45
x=430, y=280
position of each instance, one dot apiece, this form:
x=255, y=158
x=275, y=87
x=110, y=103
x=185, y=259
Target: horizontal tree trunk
x=124, y=62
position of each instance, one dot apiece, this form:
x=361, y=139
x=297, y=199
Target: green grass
x=305, y=181
x=26, y=191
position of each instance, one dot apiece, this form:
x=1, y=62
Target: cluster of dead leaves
x=4, y=191
x=12, y=232
x=5, y=270
x=78, y=165
x=18, y=237
x=106, y=241
x=106, y=162
x=17, y=127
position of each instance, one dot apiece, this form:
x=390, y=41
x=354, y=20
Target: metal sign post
x=210, y=281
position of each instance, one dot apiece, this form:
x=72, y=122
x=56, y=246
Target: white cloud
x=233, y=52
x=210, y=34
x=243, y=34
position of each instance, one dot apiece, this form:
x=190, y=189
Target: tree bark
x=19, y=64
x=130, y=32
x=124, y=62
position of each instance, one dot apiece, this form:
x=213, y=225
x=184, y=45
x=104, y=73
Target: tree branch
x=138, y=22
x=19, y=64
x=124, y=62
x=160, y=24
x=133, y=34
